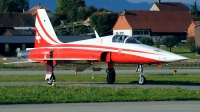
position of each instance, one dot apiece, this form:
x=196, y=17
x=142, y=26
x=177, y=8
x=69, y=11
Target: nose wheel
x=141, y=79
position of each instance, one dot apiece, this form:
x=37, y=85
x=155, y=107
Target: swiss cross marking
x=38, y=38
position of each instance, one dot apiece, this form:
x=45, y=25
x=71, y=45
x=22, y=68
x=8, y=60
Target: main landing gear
x=50, y=77
x=110, y=73
x=141, y=79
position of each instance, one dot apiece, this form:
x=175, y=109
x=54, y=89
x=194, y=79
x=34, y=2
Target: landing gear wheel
x=110, y=75
x=142, y=80
x=52, y=78
x=111, y=78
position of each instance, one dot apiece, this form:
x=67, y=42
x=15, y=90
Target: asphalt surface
x=116, y=85
x=168, y=106
x=168, y=71
x=128, y=85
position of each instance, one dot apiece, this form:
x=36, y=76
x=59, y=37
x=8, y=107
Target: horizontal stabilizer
x=15, y=60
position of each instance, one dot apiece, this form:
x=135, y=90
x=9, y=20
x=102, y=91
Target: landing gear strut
x=50, y=77
x=141, y=79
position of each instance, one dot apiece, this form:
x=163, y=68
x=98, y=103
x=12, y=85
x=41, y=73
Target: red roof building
x=158, y=24
x=33, y=10
x=156, y=21
x=191, y=28
x=15, y=21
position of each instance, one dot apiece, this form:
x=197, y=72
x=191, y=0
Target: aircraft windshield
x=125, y=39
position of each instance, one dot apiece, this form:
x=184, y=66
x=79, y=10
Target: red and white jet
x=99, y=52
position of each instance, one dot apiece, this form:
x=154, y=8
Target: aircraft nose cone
x=175, y=57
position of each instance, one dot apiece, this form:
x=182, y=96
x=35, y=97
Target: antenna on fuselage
x=96, y=34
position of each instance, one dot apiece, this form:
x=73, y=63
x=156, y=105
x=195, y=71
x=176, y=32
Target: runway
x=167, y=106
x=160, y=106
x=158, y=71
x=104, y=84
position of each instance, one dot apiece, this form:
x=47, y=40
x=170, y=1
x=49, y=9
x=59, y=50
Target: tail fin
x=44, y=32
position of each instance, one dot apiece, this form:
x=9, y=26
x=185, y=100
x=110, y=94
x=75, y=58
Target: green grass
x=182, y=50
x=74, y=94
x=184, y=79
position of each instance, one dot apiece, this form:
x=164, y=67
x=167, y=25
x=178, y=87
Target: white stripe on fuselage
x=125, y=48
x=46, y=24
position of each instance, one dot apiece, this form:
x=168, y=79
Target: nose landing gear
x=141, y=79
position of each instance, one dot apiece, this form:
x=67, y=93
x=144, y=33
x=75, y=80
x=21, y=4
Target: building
x=197, y=34
x=15, y=24
x=168, y=6
x=15, y=21
x=153, y=23
x=33, y=10
x=19, y=32
x=22, y=42
x=160, y=21
x=191, y=29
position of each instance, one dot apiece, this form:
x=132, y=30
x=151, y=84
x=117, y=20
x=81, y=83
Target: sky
x=51, y=4
x=152, y=1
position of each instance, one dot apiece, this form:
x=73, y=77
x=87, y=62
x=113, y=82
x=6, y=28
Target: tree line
x=69, y=12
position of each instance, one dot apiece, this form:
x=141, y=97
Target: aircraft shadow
x=186, y=83
x=149, y=82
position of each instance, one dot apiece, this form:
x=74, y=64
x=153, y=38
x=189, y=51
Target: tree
x=195, y=11
x=169, y=41
x=157, y=44
x=91, y=9
x=14, y=5
x=82, y=13
x=55, y=20
x=191, y=44
x=83, y=30
x=103, y=22
x=147, y=41
x=67, y=7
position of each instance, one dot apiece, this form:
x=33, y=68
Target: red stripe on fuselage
x=40, y=23
x=62, y=54
x=97, y=46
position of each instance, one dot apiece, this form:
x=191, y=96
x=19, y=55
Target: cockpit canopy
x=125, y=39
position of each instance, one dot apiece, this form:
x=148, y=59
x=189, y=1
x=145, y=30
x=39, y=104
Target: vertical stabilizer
x=44, y=32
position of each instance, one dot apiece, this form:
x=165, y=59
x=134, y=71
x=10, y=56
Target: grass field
x=182, y=50
x=78, y=94
x=185, y=79
x=73, y=94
